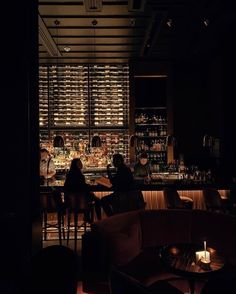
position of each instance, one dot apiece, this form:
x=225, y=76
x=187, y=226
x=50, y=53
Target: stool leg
x=43, y=225
x=68, y=227
x=86, y=215
x=63, y=225
x=59, y=226
x=76, y=228
x=45, y=218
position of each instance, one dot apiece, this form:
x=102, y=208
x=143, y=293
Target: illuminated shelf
x=75, y=99
x=151, y=133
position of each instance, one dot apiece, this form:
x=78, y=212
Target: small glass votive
x=203, y=255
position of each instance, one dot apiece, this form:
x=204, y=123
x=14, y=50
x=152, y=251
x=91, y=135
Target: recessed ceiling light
x=67, y=49
x=206, y=22
x=169, y=22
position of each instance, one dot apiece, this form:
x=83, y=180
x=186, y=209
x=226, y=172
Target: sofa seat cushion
x=147, y=268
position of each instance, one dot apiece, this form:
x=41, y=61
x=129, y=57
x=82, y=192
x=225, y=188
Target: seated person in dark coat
x=75, y=182
x=122, y=181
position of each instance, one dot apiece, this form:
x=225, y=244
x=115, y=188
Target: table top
x=181, y=259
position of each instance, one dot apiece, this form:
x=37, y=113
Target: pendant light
x=96, y=140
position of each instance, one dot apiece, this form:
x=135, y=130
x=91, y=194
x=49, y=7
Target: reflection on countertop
x=156, y=182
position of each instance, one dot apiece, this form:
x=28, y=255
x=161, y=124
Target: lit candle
x=205, y=249
x=202, y=255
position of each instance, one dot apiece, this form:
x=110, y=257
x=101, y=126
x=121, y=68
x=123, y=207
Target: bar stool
x=128, y=201
x=213, y=200
x=174, y=201
x=51, y=202
x=77, y=204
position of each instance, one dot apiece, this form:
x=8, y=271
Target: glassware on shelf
x=151, y=131
x=65, y=94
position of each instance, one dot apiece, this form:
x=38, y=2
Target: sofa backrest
x=121, y=236
x=161, y=227
x=126, y=235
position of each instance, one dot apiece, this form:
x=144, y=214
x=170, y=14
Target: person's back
x=75, y=182
x=123, y=179
x=122, y=182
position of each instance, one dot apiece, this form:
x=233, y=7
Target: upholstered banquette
x=131, y=241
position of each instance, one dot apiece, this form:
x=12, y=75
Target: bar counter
x=153, y=191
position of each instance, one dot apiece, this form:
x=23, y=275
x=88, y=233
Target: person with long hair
x=75, y=182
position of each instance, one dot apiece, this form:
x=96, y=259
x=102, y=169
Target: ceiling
x=116, y=31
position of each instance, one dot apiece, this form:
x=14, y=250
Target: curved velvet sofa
x=131, y=240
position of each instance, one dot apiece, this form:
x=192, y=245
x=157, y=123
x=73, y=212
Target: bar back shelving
x=80, y=101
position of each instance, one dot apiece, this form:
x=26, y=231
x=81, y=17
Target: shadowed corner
x=55, y=269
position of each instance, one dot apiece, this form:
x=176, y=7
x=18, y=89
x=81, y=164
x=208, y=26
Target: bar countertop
x=153, y=185
x=153, y=190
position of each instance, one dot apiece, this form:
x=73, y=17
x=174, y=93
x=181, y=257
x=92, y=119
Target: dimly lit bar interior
x=118, y=147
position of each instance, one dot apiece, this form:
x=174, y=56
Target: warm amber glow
x=211, y=250
x=174, y=250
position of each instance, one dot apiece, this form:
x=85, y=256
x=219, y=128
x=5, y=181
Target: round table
x=181, y=259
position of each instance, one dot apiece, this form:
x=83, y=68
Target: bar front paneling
x=153, y=193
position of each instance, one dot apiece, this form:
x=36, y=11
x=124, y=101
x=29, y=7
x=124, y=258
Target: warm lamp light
x=204, y=258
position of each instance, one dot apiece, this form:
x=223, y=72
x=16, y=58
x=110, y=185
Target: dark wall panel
x=19, y=125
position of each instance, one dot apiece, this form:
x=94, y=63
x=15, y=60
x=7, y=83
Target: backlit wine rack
x=43, y=97
x=80, y=101
x=68, y=88
x=109, y=91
